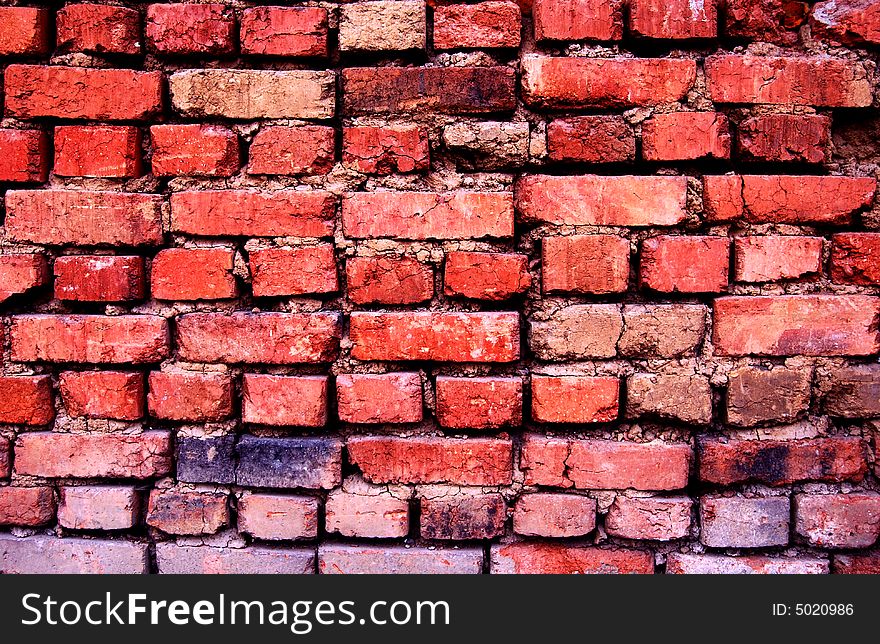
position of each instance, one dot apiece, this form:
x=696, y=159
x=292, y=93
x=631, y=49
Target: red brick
x=97, y=507
x=785, y=137
x=462, y=515
x=554, y=515
x=98, y=151
x=190, y=29
x=769, y=258
x=479, y=403
x=26, y=506
x=212, y=560
x=757, y=394
x=20, y=273
x=135, y=339
x=486, y=276
x=604, y=464
x=838, y=520
x=685, y=264
x=82, y=93
x=99, y=29
x=578, y=19
x=388, y=280
x=675, y=19
x=775, y=21
x=293, y=271
x=306, y=149
x=427, y=215
x=103, y=394
x=684, y=564
x=24, y=156
x=84, y=217
x=820, y=81
x=99, y=278
x=585, y=264
x=193, y=274
x=345, y=559
x=577, y=332
x=26, y=400
x=386, y=149
x=846, y=21
x=187, y=512
x=379, y=398
x=196, y=397
x=483, y=25
x=591, y=139
x=813, y=325
x=855, y=258
x=24, y=31
x=363, y=510
x=56, y=455
x=686, y=396
x=278, y=517
x=253, y=213
x=447, y=90
x=652, y=518
x=781, y=462
x=786, y=199
x=549, y=82
x=438, y=336
x=737, y=522
x=575, y=399
x=602, y=200
x=5, y=458
x=563, y=559
x=676, y=136
x=851, y=391
x=194, y=150
x=299, y=401
x=857, y=564
x=271, y=338
x=428, y=459
x=284, y=31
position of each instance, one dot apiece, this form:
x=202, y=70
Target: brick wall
x=581, y=286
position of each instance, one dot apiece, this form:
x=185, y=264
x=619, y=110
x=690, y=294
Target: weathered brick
x=604, y=464
x=289, y=462
x=777, y=394
x=293, y=271
x=82, y=93
x=578, y=19
x=24, y=156
x=563, y=559
x=190, y=29
x=602, y=200
x=361, y=510
x=584, y=264
x=300, y=401
x=472, y=461
x=860, y=564
x=99, y=29
x=820, y=81
x=479, y=403
x=190, y=396
x=554, y=515
x=775, y=21
x=388, y=280
x=486, y=276
x=447, y=90
x=173, y=559
x=491, y=24
x=57, y=455
x=651, y=518
x=676, y=19
x=591, y=139
x=99, y=278
x=686, y=264
x=284, y=31
x=677, y=396
x=387, y=149
x=118, y=395
x=5, y=458
x=781, y=462
x=85, y=218
x=206, y=460
x=183, y=512
x=272, y=338
x=557, y=82
x=50, y=555
x=26, y=506
x=676, y=136
x=253, y=213
x=436, y=336
x=855, y=258
x=846, y=21
x=280, y=150
x=461, y=514
x=684, y=564
x=379, y=398
x=488, y=145
x=812, y=325
x=737, y=522
x=194, y=150
x=26, y=400
x=345, y=559
x=575, y=399
x=852, y=391
x=769, y=258
x=785, y=137
x=99, y=507
x=838, y=520
x=24, y=31
x=276, y=517
x=249, y=94
x=662, y=330
x=576, y=332
x=21, y=273
x=98, y=151
x=382, y=25
x=193, y=274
